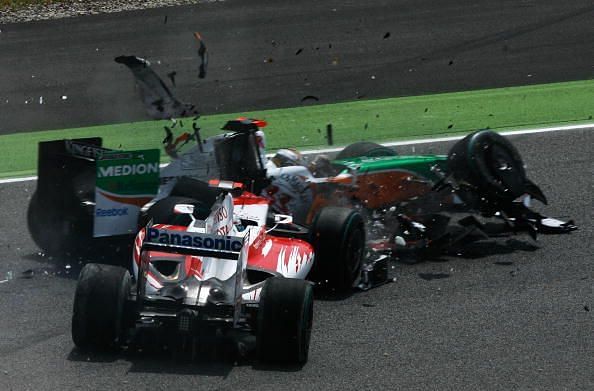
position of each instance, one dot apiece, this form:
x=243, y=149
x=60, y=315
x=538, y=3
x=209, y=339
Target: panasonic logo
x=206, y=242
x=111, y=212
x=129, y=169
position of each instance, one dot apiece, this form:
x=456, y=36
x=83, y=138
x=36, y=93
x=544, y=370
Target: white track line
x=399, y=143
x=454, y=138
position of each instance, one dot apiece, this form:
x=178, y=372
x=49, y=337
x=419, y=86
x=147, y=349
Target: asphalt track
x=504, y=314
x=270, y=53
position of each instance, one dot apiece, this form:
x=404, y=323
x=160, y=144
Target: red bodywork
x=288, y=257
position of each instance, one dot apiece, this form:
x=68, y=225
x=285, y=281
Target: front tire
x=492, y=165
x=99, y=320
x=338, y=237
x=285, y=318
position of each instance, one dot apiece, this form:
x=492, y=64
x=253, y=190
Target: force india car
x=212, y=267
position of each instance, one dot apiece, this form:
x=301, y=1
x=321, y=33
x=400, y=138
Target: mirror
x=283, y=219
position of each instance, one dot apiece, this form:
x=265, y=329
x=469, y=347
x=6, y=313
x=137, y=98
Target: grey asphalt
x=504, y=314
x=270, y=53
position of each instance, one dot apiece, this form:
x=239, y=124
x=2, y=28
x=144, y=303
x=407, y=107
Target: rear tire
x=338, y=237
x=285, y=318
x=99, y=320
x=56, y=230
x=365, y=149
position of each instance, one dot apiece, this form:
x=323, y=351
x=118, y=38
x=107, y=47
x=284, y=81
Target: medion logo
x=208, y=242
x=129, y=169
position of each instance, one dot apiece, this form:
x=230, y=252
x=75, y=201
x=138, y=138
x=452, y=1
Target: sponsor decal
x=84, y=150
x=128, y=169
x=111, y=212
x=220, y=215
x=192, y=239
x=125, y=181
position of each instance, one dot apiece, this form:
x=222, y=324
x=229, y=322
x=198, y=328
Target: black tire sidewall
x=334, y=232
x=476, y=160
x=285, y=318
x=98, y=319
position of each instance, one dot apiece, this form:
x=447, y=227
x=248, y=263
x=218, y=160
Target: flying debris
x=158, y=100
x=298, y=51
x=168, y=135
x=203, y=54
x=387, y=35
x=171, y=76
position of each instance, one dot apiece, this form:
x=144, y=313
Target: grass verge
x=377, y=120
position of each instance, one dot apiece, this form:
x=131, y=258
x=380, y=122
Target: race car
x=424, y=203
x=212, y=266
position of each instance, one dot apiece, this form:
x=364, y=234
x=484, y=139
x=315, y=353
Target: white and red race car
x=220, y=264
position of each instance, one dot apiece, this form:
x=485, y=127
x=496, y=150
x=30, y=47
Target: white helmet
x=287, y=157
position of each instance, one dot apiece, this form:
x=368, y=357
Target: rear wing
x=102, y=188
x=61, y=162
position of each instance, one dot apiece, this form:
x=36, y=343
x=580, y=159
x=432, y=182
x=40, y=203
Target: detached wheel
x=338, y=237
x=285, y=318
x=489, y=162
x=98, y=319
x=365, y=148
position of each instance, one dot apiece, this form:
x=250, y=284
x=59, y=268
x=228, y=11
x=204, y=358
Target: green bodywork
x=422, y=165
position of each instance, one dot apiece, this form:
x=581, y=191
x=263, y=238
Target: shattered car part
x=158, y=100
x=202, y=54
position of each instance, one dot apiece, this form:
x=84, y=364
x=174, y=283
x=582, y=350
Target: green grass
x=378, y=120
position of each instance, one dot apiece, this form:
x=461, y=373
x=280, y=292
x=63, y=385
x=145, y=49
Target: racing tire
x=338, y=238
x=99, y=321
x=284, y=321
x=490, y=163
x=161, y=212
x=365, y=149
x=57, y=230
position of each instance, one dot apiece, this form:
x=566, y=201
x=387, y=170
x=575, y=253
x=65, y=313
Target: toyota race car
x=212, y=265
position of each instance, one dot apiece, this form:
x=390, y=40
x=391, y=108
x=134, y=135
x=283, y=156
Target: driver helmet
x=287, y=157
